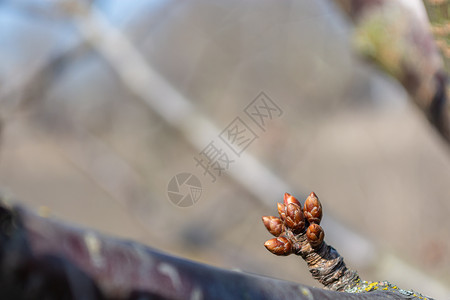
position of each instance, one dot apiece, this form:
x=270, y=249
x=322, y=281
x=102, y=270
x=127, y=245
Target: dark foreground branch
x=42, y=258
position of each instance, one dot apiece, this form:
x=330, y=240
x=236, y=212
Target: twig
x=298, y=232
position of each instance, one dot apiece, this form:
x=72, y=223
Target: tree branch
x=46, y=258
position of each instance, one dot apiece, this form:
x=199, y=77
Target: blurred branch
x=161, y=97
x=33, y=83
x=156, y=93
x=42, y=258
x=138, y=76
x=396, y=36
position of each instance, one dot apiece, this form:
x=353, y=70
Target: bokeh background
x=103, y=102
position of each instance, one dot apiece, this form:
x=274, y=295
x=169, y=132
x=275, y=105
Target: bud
x=281, y=211
x=273, y=225
x=313, y=209
x=288, y=198
x=294, y=218
x=279, y=246
x=315, y=235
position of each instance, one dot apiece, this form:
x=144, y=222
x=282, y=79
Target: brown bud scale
x=273, y=224
x=313, y=209
x=288, y=198
x=281, y=211
x=294, y=218
x=279, y=246
x=315, y=235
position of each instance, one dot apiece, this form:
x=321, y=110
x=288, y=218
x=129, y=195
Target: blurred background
x=103, y=103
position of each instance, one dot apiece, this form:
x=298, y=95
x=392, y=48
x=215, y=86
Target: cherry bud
x=315, y=235
x=313, y=209
x=288, y=198
x=273, y=225
x=294, y=218
x=279, y=246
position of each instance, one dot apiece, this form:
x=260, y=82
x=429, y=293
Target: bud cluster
x=294, y=219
